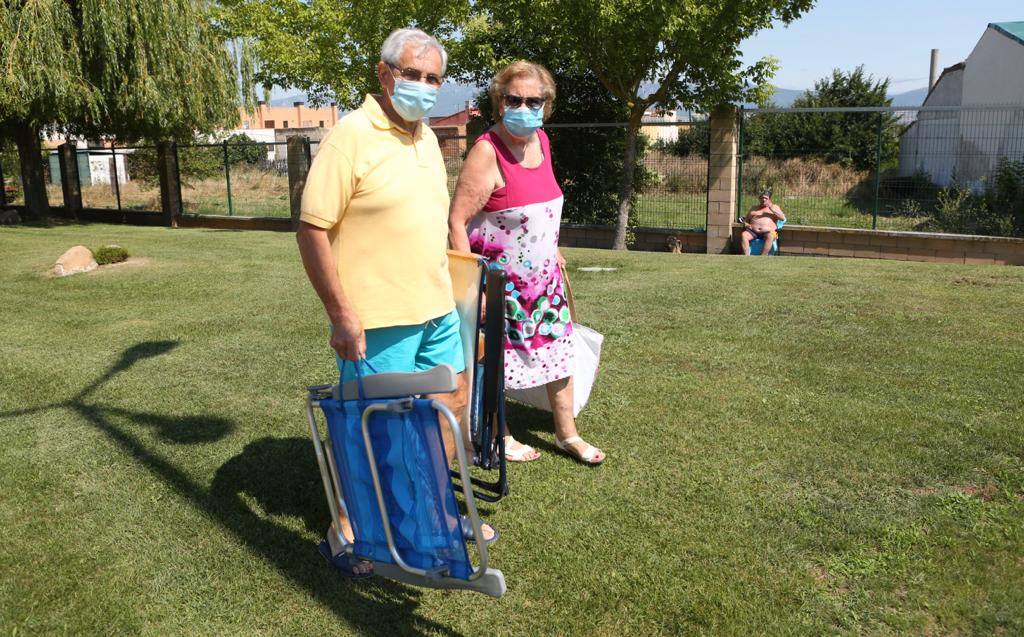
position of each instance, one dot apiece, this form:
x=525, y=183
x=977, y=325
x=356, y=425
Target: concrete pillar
x=170, y=182
x=298, y=167
x=722, y=179
x=67, y=157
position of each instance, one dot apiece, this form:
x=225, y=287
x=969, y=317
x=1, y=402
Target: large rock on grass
x=77, y=259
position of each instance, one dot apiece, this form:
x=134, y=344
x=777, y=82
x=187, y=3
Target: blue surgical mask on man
x=413, y=100
x=521, y=122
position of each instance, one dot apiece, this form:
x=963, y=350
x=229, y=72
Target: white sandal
x=519, y=455
x=587, y=457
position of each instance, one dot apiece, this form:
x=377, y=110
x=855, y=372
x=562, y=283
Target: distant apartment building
x=662, y=125
x=451, y=130
x=298, y=115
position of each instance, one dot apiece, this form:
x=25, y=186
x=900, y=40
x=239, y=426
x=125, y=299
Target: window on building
x=245, y=124
x=284, y=124
x=321, y=123
x=268, y=124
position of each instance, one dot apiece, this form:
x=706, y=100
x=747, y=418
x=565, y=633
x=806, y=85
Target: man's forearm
x=315, y=250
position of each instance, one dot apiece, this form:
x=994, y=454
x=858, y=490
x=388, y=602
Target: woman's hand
x=559, y=258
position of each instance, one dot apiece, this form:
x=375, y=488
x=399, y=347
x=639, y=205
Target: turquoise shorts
x=411, y=348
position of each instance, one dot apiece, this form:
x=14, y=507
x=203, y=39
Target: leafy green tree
x=243, y=149
x=131, y=69
x=857, y=140
x=330, y=48
x=687, y=50
x=586, y=160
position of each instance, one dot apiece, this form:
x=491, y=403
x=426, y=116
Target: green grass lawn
x=796, y=446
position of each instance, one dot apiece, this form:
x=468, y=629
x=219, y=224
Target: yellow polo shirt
x=382, y=195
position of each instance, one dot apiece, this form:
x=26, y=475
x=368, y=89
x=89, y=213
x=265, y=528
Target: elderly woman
x=507, y=207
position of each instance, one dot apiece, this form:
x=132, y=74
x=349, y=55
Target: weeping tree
x=130, y=69
x=330, y=48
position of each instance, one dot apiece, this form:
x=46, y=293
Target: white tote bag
x=587, y=352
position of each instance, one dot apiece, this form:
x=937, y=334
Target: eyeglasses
x=416, y=75
x=533, y=103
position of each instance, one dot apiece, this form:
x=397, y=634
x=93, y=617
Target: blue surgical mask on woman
x=521, y=122
x=413, y=100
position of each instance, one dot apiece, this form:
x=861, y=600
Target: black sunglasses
x=416, y=75
x=532, y=103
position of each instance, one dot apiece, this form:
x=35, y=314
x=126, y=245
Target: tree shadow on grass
x=280, y=475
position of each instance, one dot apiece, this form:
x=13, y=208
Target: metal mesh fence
x=10, y=183
x=672, y=189
x=928, y=169
x=675, y=191
x=249, y=179
x=13, y=189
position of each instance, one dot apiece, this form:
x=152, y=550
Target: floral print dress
x=518, y=228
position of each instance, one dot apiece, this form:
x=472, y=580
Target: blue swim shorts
x=411, y=348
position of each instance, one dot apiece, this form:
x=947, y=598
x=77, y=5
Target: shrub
x=1005, y=194
x=694, y=140
x=109, y=254
x=242, y=149
x=960, y=210
x=195, y=163
x=998, y=212
x=900, y=196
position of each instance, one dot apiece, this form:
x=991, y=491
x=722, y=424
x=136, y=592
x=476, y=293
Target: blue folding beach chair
x=384, y=464
x=758, y=244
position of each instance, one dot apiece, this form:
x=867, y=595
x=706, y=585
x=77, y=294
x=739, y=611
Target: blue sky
x=891, y=38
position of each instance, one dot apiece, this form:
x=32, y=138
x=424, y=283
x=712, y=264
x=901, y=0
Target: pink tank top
x=523, y=186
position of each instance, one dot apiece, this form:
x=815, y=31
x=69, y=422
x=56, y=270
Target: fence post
x=739, y=165
x=878, y=172
x=117, y=178
x=170, y=182
x=3, y=187
x=67, y=158
x=298, y=167
x=227, y=178
x=722, y=180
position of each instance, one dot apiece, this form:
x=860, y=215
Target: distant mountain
x=783, y=97
x=910, y=98
x=288, y=100
x=453, y=98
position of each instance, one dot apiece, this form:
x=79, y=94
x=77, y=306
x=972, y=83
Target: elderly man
x=761, y=222
x=373, y=235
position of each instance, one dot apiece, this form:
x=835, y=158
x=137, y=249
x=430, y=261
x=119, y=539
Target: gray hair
x=396, y=43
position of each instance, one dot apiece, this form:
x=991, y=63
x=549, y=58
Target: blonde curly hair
x=517, y=69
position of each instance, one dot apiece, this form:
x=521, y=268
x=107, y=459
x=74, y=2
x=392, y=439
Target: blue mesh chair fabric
x=420, y=502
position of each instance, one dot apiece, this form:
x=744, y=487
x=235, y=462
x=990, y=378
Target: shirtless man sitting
x=761, y=223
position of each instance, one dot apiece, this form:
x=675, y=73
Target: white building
x=965, y=146
x=661, y=125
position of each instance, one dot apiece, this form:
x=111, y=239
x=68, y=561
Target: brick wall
x=901, y=246
x=647, y=239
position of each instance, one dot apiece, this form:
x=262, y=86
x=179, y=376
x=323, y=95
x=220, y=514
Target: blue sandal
x=344, y=562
